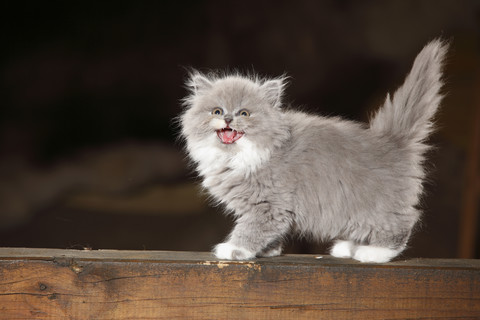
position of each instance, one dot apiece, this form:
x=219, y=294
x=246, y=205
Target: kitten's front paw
x=229, y=251
x=271, y=253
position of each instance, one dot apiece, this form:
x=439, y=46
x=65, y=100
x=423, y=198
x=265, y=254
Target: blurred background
x=89, y=155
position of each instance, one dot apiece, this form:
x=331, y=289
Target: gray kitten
x=280, y=171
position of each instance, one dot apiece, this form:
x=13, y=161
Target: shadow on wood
x=107, y=284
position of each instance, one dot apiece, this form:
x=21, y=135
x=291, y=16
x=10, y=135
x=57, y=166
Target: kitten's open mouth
x=228, y=135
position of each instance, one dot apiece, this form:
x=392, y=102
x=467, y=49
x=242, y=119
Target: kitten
x=280, y=171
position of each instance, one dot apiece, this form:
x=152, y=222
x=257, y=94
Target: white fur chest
x=243, y=158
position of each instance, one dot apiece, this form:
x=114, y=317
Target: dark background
x=88, y=150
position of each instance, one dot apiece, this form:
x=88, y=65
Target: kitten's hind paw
x=228, y=251
x=342, y=249
x=374, y=254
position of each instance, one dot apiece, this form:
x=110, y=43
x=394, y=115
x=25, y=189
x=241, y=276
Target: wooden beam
x=107, y=284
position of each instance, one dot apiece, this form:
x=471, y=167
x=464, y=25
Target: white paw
x=229, y=251
x=342, y=249
x=374, y=254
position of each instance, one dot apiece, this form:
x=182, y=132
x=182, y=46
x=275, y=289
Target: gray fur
x=320, y=177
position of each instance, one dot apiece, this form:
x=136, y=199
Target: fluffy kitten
x=280, y=171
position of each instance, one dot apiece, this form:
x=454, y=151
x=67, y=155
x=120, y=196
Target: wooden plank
x=71, y=284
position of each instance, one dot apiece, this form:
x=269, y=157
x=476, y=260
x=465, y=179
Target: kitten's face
x=230, y=112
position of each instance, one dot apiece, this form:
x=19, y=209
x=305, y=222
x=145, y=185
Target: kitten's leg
x=254, y=234
x=342, y=249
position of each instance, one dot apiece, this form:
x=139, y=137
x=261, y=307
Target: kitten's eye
x=217, y=111
x=244, y=113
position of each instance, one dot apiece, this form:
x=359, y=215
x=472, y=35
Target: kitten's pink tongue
x=229, y=136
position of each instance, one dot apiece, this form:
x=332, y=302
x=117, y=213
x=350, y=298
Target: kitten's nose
x=228, y=118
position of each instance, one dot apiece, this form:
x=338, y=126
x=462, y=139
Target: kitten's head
x=233, y=111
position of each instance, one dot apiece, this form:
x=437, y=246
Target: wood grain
x=72, y=284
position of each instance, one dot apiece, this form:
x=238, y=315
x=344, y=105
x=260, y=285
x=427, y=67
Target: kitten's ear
x=199, y=82
x=273, y=90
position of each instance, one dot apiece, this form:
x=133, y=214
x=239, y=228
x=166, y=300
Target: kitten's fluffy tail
x=408, y=115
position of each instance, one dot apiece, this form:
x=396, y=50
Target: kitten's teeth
x=228, y=135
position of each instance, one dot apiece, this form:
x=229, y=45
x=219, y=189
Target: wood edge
x=206, y=258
